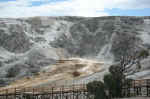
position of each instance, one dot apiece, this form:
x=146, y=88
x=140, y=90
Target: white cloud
x=24, y=8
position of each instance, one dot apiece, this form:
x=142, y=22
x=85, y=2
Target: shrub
x=1, y=64
x=34, y=70
x=13, y=71
x=2, y=82
x=28, y=78
x=97, y=88
x=144, y=54
x=36, y=74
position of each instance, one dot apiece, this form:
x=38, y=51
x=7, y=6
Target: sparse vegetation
x=108, y=26
x=36, y=74
x=1, y=64
x=28, y=77
x=144, y=54
x=34, y=71
x=2, y=82
x=13, y=71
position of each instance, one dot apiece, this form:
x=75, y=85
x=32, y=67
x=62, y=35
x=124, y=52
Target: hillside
x=28, y=45
x=64, y=72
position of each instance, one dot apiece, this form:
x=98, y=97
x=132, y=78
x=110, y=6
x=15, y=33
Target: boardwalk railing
x=130, y=89
x=58, y=92
x=137, y=88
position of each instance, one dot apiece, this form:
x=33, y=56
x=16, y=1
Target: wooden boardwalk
x=59, y=92
x=137, y=88
x=133, y=88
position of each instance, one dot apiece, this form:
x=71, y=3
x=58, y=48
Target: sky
x=86, y=8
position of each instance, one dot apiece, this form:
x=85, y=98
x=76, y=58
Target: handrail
x=46, y=89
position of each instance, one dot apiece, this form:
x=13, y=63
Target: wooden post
x=15, y=93
x=148, y=91
x=60, y=92
x=52, y=92
x=134, y=88
x=63, y=89
x=33, y=93
x=73, y=91
x=6, y=94
x=23, y=93
x=147, y=85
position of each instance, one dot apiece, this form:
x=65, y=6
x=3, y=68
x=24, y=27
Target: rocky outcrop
x=33, y=43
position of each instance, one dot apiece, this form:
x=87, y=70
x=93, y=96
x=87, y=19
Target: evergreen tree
x=97, y=88
x=110, y=84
